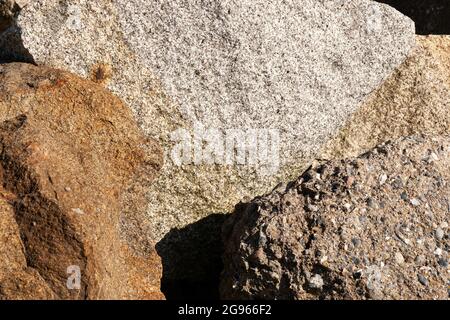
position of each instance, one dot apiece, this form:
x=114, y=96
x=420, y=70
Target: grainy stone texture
x=17, y=279
x=73, y=167
x=371, y=227
x=414, y=100
x=234, y=64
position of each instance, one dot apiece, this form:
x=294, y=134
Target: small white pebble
x=434, y=157
x=67, y=189
x=439, y=233
x=415, y=202
x=399, y=259
x=78, y=211
x=383, y=179
x=316, y=282
x=438, y=252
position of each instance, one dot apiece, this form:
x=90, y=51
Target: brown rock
x=414, y=100
x=74, y=169
x=17, y=280
x=323, y=238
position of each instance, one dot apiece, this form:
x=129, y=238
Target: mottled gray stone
x=297, y=67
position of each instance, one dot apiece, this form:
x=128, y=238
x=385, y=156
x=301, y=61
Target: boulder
x=17, y=279
x=370, y=227
x=265, y=78
x=415, y=99
x=73, y=170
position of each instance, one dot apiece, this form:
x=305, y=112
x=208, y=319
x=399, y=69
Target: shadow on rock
x=430, y=16
x=11, y=46
x=192, y=260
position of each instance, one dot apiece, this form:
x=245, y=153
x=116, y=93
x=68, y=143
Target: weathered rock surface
x=229, y=66
x=374, y=227
x=414, y=100
x=73, y=167
x=275, y=65
x=17, y=280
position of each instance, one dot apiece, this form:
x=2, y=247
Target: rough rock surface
x=414, y=100
x=371, y=227
x=73, y=167
x=265, y=65
x=17, y=279
x=173, y=70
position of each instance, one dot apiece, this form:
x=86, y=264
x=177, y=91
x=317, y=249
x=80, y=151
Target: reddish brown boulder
x=74, y=168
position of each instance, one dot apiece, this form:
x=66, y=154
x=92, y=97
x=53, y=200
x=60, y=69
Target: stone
x=399, y=259
x=61, y=132
x=316, y=282
x=219, y=72
x=443, y=262
x=223, y=70
x=415, y=99
x=423, y=280
x=439, y=233
x=296, y=238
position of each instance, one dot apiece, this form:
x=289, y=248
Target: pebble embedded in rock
x=372, y=203
x=316, y=282
x=423, y=280
x=404, y=196
x=383, y=179
x=443, y=262
x=399, y=259
x=356, y=242
x=420, y=260
x=439, y=233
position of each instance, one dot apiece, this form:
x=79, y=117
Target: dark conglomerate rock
x=371, y=227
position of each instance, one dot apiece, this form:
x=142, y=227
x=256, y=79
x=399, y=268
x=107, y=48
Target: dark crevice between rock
x=430, y=16
x=192, y=260
x=11, y=44
x=50, y=241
